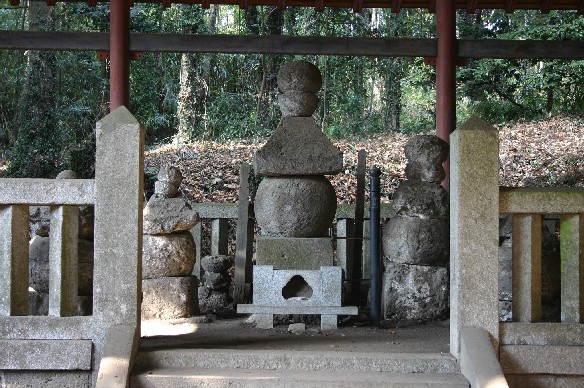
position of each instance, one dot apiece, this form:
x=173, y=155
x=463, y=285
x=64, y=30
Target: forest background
x=50, y=101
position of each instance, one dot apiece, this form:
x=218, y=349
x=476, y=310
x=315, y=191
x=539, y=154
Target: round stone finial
x=67, y=174
x=426, y=148
x=425, y=154
x=299, y=76
x=169, y=180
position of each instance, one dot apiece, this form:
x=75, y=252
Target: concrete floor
x=240, y=333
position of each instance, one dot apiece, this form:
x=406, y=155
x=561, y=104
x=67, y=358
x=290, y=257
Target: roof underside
x=396, y=5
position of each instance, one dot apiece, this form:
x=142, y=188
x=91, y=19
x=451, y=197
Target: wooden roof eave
x=470, y=6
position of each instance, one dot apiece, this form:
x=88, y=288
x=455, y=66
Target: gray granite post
x=474, y=230
x=118, y=223
x=63, y=261
x=14, y=260
x=526, y=267
x=572, y=250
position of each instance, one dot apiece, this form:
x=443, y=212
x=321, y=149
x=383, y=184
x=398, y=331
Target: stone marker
x=416, y=241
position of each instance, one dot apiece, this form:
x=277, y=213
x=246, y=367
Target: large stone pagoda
x=295, y=206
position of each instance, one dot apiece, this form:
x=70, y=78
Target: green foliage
x=221, y=97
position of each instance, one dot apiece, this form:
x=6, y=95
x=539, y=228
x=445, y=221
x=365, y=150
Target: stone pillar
x=169, y=252
x=474, y=230
x=415, y=241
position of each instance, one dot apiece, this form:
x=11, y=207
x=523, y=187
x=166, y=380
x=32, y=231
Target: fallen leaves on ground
x=540, y=154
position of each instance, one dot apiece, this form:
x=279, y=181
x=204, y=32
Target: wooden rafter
x=432, y=6
x=581, y=7
x=546, y=6
x=510, y=6
x=471, y=6
x=396, y=6
x=295, y=45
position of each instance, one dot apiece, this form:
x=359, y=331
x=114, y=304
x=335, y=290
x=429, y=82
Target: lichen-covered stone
x=169, y=298
x=39, y=265
x=170, y=174
x=168, y=255
x=298, y=147
x=165, y=189
x=414, y=292
x=214, y=302
x=217, y=263
x=295, y=206
x=216, y=281
x=416, y=241
x=298, y=104
x=168, y=215
x=300, y=76
x=421, y=199
x=425, y=154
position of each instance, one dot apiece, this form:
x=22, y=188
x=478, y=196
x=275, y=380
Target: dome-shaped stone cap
x=426, y=149
x=299, y=76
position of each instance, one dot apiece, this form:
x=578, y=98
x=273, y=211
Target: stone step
x=297, y=360
x=254, y=378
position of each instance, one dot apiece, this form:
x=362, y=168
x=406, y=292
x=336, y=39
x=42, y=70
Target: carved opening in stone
x=297, y=288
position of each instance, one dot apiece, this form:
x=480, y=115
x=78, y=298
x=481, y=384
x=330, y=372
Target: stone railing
x=528, y=345
x=61, y=346
x=525, y=346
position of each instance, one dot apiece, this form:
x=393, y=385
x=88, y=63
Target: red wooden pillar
x=119, y=53
x=446, y=73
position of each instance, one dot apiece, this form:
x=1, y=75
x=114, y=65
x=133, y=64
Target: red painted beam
x=471, y=6
x=396, y=6
x=119, y=54
x=510, y=6
x=546, y=6
x=446, y=73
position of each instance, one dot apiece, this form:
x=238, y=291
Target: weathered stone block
x=297, y=287
x=415, y=292
x=294, y=253
x=416, y=241
x=45, y=354
x=505, y=271
x=295, y=206
x=39, y=265
x=38, y=304
x=298, y=147
x=47, y=379
x=169, y=298
x=214, y=302
x=425, y=155
x=168, y=255
x=421, y=199
x=167, y=215
x=216, y=281
x=217, y=263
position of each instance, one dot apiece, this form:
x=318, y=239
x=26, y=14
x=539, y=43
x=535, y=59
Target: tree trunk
x=393, y=90
x=38, y=147
x=193, y=88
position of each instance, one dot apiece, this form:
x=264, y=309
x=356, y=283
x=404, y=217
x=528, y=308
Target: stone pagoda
x=294, y=207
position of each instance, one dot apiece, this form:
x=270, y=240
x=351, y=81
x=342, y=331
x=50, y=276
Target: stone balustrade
x=527, y=347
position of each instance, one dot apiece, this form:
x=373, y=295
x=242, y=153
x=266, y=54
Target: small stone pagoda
x=295, y=206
